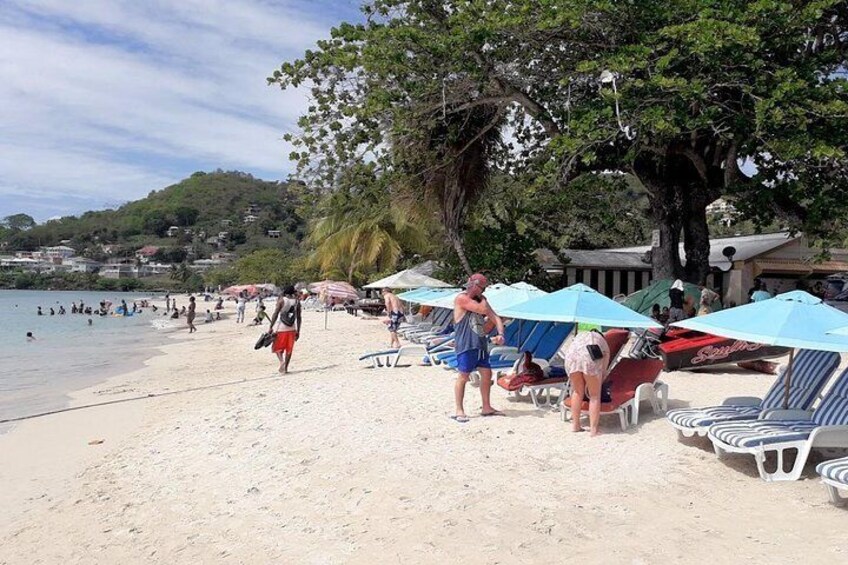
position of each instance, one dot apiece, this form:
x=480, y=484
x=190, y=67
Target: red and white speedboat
x=687, y=349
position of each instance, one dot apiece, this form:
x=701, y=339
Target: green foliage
x=263, y=266
x=66, y=281
x=674, y=92
x=201, y=203
x=361, y=230
x=170, y=255
x=18, y=222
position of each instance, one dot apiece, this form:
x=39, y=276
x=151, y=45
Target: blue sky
x=103, y=101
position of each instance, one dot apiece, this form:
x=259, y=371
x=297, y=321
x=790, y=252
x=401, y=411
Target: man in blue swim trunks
x=395, y=312
x=473, y=319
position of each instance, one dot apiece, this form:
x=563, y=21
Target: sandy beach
x=339, y=463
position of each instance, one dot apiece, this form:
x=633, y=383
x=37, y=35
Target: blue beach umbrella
x=579, y=303
x=420, y=295
x=793, y=319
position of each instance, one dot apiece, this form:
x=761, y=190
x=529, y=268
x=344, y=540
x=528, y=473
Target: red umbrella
x=334, y=289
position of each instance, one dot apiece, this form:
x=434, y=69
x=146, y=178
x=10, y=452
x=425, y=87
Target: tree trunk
x=696, y=237
x=665, y=259
x=456, y=241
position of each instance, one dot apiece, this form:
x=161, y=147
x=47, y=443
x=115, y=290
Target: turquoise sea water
x=68, y=354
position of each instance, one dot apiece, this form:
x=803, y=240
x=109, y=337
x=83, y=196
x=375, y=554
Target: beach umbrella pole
x=788, y=379
x=325, y=317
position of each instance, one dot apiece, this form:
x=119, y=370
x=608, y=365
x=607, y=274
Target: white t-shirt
x=288, y=304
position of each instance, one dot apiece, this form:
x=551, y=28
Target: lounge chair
x=527, y=337
x=779, y=431
x=834, y=475
x=811, y=371
x=632, y=381
x=557, y=381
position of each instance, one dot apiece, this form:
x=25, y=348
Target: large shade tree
x=678, y=93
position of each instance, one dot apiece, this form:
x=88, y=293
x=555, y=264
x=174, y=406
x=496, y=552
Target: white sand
x=336, y=463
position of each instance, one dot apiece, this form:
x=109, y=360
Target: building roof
x=747, y=247
x=632, y=258
x=148, y=250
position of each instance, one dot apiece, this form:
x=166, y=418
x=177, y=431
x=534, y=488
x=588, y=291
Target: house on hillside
x=253, y=208
x=119, y=271
x=146, y=253
x=226, y=223
x=250, y=218
x=203, y=265
x=781, y=260
x=274, y=234
x=26, y=264
x=82, y=265
x=57, y=252
x=224, y=257
x=173, y=231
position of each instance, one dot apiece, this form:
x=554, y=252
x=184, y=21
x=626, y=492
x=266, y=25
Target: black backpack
x=289, y=317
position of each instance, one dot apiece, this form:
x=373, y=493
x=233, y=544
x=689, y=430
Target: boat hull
x=687, y=349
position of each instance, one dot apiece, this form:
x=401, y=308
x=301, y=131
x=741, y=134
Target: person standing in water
x=288, y=320
x=40, y=313
x=395, y=312
x=473, y=319
x=190, y=314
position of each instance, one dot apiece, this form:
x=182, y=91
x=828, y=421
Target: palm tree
x=363, y=232
x=448, y=160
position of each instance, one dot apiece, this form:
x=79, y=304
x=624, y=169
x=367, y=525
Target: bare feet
x=578, y=429
x=595, y=433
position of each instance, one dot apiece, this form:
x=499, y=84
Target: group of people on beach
x=586, y=358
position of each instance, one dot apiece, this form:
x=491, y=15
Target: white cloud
x=110, y=99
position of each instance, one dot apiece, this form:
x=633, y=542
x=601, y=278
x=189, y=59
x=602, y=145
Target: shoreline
x=151, y=342
x=337, y=463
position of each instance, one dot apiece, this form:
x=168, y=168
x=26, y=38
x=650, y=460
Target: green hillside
x=202, y=206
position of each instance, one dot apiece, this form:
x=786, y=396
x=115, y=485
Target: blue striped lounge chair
x=834, y=475
x=779, y=431
x=811, y=371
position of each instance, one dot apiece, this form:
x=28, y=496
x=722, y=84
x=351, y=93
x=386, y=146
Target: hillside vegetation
x=201, y=204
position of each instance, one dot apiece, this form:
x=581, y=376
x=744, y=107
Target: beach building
x=82, y=265
x=26, y=264
x=119, y=271
x=153, y=269
x=780, y=259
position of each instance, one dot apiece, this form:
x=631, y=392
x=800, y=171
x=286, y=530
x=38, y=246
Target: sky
x=102, y=101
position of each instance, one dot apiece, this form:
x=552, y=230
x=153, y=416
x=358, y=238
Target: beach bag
x=265, y=340
x=289, y=317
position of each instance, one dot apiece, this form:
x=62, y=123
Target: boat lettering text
x=715, y=353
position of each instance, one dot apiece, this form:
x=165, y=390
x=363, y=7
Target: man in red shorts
x=287, y=317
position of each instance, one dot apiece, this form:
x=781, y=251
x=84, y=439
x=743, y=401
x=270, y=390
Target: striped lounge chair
x=781, y=430
x=834, y=475
x=811, y=371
